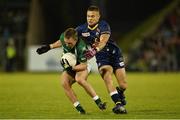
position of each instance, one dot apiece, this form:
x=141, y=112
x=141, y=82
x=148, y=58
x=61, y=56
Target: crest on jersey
x=86, y=34
x=97, y=33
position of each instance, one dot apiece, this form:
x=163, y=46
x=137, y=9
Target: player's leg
x=67, y=82
x=120, y=75
x=106, y=73
x=81, y=79
x=119, y=71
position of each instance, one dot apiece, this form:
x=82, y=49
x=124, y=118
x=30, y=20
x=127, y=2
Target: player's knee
x=106, y=74
x=106, y=70
x=65, y=84
x=121, y=75
x=80, y=81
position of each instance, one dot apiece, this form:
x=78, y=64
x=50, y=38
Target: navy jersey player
x=97, y=34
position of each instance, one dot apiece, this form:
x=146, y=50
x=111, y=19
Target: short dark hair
x=93, y=8
x=71, y=32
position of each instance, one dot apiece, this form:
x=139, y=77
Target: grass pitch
x=40, y=96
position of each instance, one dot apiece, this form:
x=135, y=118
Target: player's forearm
x=56, y=44
x=100, y=46
x=103, y=40
x=80, y=67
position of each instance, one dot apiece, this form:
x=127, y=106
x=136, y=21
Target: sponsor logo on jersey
x=83, y=59
x=121, y=64
x=99, y=64
x=113, y=52
x=97, y=33
x=86, y=34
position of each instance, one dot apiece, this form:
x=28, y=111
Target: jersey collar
x=92, y=28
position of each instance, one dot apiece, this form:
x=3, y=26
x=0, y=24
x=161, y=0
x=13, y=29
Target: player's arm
x=102, y=42
x=97, y=46
x=46, y=48
x=80, y=67
x=82, y=47
x=56, y=44
x=105, y=32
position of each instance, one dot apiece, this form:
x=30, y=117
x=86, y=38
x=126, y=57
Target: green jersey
x=79, y=49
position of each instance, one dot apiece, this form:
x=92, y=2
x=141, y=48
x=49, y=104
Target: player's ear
x=99, y=16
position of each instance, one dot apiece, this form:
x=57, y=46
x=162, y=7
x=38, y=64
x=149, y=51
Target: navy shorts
x=110, y=55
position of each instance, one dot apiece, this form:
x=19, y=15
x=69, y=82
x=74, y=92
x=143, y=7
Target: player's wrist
x=51, y=46
x=97, y=49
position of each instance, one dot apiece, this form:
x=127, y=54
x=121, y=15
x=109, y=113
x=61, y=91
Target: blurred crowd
x=13, y=27
x=159, y=51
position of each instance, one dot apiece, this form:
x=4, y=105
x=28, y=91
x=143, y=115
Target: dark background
x=122, y=15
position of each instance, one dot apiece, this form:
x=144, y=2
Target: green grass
x=40, y=95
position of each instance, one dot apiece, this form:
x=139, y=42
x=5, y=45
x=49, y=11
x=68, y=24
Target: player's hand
x=43, y=49
x=96, y=42
x=65, y=64
x=90, y=53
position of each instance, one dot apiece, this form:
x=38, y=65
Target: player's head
x=70, y=37
x=93, y=15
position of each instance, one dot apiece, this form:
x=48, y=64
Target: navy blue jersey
x=110, y=54
x=90, y=34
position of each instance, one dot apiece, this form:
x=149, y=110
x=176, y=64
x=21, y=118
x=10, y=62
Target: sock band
x=112, y=93
x=95, y=97
x=76, y=103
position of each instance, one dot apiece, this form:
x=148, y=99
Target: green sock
x=98, y=101
x=79, y=108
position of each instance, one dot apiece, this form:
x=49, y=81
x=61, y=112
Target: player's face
x=71, y=42
x=92, y=17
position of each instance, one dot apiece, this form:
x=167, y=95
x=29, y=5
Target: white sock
x=95, y=98
x=76, y=103
x=114, y=92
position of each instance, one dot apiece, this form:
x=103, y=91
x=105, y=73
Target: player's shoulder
x=103, y=22
x=81, y=42
x=61, y=37
x=82, y=26
x=81, y=46
x=62, y=34
x=103, y=25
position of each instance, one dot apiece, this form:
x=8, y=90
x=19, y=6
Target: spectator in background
x=159, y=51
x=10, y=55
x=175, y=42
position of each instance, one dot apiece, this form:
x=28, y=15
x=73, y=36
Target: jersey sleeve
x=105, y=28
x=79, y=30
x=61, y=38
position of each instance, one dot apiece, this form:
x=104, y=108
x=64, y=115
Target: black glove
x=43, y=49
x=65, y=64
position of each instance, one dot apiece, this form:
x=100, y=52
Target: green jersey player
x=71, y=43
x=79, y=49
